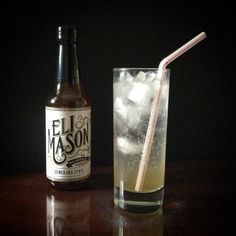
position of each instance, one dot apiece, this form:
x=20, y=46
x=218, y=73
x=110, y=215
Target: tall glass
x=133, y=92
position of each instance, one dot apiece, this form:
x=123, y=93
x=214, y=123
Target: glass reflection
x=68, y=213
x=126, y=223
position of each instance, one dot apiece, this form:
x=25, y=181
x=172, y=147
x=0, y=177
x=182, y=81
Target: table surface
x=199, y=200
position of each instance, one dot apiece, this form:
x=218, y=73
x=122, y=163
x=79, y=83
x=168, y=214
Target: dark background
x=118, y=34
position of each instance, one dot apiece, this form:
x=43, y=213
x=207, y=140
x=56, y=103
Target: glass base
x=138, y=202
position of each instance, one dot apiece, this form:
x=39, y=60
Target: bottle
x=68, y=120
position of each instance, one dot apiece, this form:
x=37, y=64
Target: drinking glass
x=133, y=94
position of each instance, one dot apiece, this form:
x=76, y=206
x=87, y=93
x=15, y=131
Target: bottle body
x=68, y=122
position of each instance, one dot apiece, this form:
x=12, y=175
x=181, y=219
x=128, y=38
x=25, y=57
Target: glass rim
x=138, y=69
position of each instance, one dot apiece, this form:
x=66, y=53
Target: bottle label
x=68, y=143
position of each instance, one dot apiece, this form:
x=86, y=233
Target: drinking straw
x=155, y=109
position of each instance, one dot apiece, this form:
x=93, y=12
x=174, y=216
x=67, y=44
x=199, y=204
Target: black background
x=118, y=34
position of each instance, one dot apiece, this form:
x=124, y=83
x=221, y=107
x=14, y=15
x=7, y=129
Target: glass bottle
x=68, y=120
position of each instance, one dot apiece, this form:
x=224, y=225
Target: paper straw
x=155, y=109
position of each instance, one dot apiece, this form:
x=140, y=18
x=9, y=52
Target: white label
x=68, y=143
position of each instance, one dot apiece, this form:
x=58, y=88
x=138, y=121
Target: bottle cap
x=67, y=33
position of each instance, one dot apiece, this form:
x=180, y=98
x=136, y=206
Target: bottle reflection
x=126, y=223
x=68, y=213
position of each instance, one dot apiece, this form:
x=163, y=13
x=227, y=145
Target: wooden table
x=199, y=200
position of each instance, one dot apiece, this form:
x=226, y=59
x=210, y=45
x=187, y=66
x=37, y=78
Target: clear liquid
x=125, y=176
x=126, y=172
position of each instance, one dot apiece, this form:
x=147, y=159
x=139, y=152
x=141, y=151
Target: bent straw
x=155, y=109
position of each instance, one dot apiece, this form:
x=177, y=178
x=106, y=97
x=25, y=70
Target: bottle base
x=69, y=186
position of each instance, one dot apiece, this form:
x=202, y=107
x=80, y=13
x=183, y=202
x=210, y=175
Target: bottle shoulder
x=72, y=96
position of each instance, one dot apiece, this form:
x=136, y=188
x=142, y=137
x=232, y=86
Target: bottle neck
x=68, y=70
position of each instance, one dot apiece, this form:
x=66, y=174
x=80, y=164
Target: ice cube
x=139, y=93
x=129, y=77
x=127, y=112
x=132, y=99
x=128, y=147
x=117, y=89
x=120, y=108
x=124, y=75
x=120, y=127
x=141, y=76
x=123, y=85
x=151, y=76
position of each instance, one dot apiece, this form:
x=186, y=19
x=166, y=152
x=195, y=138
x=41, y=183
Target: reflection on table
x=125, y=223
x=194, y=193
x=67, y=214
